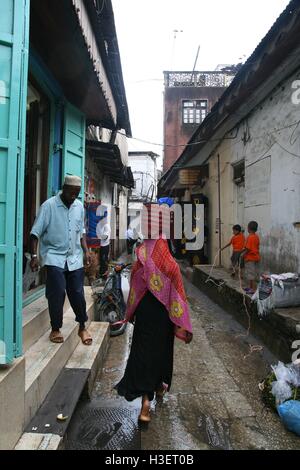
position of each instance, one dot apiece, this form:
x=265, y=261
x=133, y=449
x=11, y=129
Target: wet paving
x=98, y=426
x=214, y=401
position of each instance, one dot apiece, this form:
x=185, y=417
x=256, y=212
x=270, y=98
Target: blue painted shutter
x=74, y=144
x=14, y=33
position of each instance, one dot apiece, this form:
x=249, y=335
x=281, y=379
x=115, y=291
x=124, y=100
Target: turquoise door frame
x=67, y=127
x=63, y=116
x=53, y=91
x=67, y=132
x=14, y=44
x=14, y=36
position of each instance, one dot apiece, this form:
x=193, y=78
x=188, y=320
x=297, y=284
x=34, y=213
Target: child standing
x=251, y=256
x=238, y=244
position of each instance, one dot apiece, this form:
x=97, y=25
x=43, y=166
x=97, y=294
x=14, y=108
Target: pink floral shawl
x=156, y=270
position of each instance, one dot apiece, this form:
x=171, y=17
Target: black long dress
x=150, y=362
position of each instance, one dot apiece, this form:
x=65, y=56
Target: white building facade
x=145, y=174
x=144, y=169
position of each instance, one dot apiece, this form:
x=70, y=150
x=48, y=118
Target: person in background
x=237, y=242
x=131, y=236
x=252, y=257
x=104, y=234
x=59, y=229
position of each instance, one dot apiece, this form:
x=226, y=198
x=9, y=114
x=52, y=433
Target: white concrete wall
x=122, y=143
x=272, y=180
x=144, y=171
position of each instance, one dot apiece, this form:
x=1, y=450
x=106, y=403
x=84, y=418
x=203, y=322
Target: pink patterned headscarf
x=156, y=270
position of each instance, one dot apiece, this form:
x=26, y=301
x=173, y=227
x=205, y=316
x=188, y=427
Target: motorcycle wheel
x=109, y=312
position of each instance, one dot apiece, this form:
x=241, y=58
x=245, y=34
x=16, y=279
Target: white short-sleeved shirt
x=59, y=231
x=104, y=232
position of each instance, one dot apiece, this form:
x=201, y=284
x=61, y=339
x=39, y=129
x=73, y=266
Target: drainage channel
x=106, y=421
x=101, y=428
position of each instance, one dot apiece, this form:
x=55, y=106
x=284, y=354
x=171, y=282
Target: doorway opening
x=36, y=174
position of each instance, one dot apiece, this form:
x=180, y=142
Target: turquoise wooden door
x=74, y=144
x=14, y=32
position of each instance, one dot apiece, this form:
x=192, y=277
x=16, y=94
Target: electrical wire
x=252, y=347
x=287, y=151
x=145, y=80
x=255, y=137
x=209, y=278
x=262, y=157
x=295, y=140
x=144, y=173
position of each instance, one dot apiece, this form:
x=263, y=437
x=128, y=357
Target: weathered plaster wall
x=175, y=132
x=269, y=141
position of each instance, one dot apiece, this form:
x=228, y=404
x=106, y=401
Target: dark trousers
x=59, y=282
x=130, y=244
x=104, y=252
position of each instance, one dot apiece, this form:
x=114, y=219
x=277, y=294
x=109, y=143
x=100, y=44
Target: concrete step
x=45, y=360
x=91, y=358
x=34, y=441
x=36, y=321
x=44, y=430
x=12, y=380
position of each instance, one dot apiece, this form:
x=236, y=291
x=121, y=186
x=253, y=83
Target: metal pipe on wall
x=219, y=203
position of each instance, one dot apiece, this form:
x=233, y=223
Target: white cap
x=72, y=180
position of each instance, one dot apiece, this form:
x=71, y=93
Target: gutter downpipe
x=219, y=203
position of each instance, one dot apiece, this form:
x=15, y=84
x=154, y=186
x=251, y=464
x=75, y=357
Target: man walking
x=59, y=229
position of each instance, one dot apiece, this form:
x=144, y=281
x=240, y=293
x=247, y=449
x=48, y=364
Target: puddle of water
x=215, y=432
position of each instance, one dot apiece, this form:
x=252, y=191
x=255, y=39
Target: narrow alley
x=214, y=402
x=150, y=227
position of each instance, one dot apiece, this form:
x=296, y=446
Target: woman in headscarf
x=157, y=304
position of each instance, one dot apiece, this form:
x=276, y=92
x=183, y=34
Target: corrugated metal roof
x=106, y=35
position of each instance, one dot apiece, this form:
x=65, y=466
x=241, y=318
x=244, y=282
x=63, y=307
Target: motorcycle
x=110, y=304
